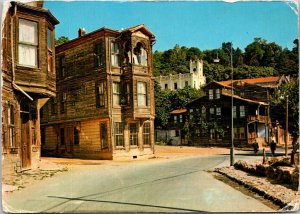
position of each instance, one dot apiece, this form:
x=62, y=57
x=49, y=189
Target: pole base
x=231, y=156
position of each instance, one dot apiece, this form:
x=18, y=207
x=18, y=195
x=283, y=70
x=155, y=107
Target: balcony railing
x=259, y=118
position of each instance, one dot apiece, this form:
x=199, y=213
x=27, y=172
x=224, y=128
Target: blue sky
x=192, y=24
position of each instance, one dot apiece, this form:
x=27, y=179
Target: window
x=53, y=106
x=28, y=43
x=212, y=133
x=11, y=125
x=142, y=93
x=191, y=113
x=63, y=102
x=119, y=129
x=235, y=133
x=242, y=133
x=116, y=93
x=242, y=111
x=212, y=110
x=103, y=136
x=186, y=83
x=99, y=55
x=133, y=134
x=140, y=55
x=146, y=133
x=218, y=111
x=76, y=136
x=180, y=118
x=62, y=72
x=62, y=136
x=115, y=54
x=217, y=93
x=175, y=85
x=211, y=94
x=234, y=112
x=166, y=86
x=49, y=45
x=175, y=118
x=100, y=100
x=203, y=112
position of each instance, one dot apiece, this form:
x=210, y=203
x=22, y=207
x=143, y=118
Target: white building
x=195, y=78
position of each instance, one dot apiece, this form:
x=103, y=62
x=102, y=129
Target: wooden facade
x=104, y=108
x=209, y=117
x=28, y=71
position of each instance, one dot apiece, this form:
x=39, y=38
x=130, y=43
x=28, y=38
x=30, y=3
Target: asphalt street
x=178, y=185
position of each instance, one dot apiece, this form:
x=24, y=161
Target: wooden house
x=104, y=107
x=28, y=72
x=210, y=116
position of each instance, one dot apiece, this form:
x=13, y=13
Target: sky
x=192, y=23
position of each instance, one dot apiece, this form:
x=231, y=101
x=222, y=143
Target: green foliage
x=260, y=58
x=166, y=101
x=278, y=106
x=61, y=40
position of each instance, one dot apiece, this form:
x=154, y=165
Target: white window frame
x=142, y=93
x=115, y=54
x=210, y=94
x=218, y=93
x=242, y=111
x=119, y=134
x=116, y=93
x=218, y=111
x=28, y=43
x=133, y=134
x=146, y=133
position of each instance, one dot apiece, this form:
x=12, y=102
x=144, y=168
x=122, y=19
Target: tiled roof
x=244, y=99
x=254, y=80
x=178, y=111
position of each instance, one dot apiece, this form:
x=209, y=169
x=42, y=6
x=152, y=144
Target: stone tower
x=196, y=69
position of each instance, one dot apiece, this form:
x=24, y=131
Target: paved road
x=156, y=186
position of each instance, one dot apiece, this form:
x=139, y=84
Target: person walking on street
x=255, y=147
x=273, y=147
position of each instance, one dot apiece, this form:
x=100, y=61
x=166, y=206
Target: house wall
x=195, y=78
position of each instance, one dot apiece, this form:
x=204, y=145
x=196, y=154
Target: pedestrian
x=255, y=147
x=273, y=147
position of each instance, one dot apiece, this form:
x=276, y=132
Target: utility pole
x=286, y=124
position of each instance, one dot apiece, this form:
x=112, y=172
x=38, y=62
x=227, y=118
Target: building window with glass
x=133, y=134
x=140, y=55
x=119, y=132
x=242, y=111
x=175, y=118
x=49, y=45
x=217, y=93
x=98, y=55
x=63, y=100
x=212, y=133
x=100, y=100
x=180, y=118
x=146, y=133
x=142, y=93
x=235, y=133
x=28, y=43
x=211, y=94
x=234, y=112
x=62, y=72
x=116, y=93
x=218, y=111
x=115, y=54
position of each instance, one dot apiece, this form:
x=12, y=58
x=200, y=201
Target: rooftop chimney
x=81, y=32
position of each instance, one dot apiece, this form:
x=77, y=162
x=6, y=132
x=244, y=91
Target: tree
x=278, y=106
x=61, y=40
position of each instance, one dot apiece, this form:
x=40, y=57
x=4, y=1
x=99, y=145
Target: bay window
x=28, y=43
x=142, y=93
x=115, y=52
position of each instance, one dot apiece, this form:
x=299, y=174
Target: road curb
x=276, y=199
